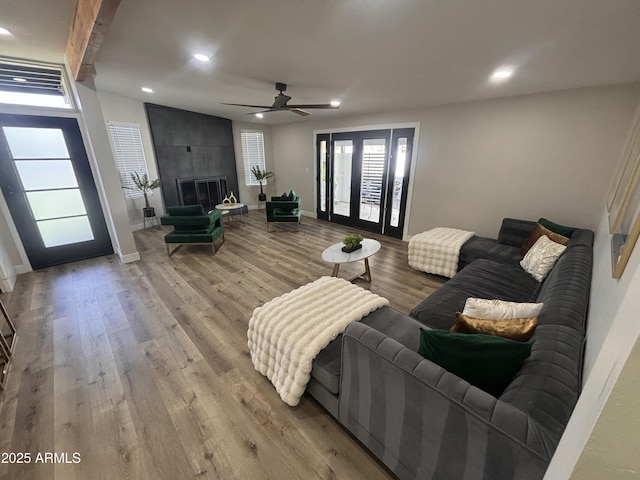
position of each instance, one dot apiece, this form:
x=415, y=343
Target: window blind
x=127, y=148
x=252, y=154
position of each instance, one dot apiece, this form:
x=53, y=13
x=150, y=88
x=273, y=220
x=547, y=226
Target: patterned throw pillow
x=519, y=329
x=544, y=254
x=538, y=231
x=499, y=309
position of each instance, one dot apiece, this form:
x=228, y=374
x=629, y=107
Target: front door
x=363, y=178
x=49, y=188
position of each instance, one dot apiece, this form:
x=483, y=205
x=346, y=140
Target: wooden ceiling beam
x=90, y=24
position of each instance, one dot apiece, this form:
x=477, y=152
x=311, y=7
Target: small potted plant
x=143, y=184
x=352, y=242
x=261, y=176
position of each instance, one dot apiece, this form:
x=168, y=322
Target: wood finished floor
x=143, y=368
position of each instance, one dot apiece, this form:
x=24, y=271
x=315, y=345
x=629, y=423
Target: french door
x=49, y=188
x=363, y=178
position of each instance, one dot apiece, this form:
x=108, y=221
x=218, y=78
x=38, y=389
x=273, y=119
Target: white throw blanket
x=437, y=250
x=286, y=333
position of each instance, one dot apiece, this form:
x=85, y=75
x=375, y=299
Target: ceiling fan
x=280, y=104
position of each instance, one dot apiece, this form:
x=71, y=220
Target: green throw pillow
x=554, y=227
x=486, y=361
x=292, y=195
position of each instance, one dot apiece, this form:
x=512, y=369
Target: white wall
x=537, y=155
x=117, y=108
x=249, y=194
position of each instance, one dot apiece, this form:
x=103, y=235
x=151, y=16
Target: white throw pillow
x=499, y=309
x=541, y=258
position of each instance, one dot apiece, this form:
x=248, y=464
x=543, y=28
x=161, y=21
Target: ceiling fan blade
x=302, y=113
x=315, y=105
x=265, y=111
x=244, y=105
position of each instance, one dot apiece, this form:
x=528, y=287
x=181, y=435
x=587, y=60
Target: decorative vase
x=226, y=200
x=232, y=198
x=352, y=247
x=149, y=212
x=262, y=197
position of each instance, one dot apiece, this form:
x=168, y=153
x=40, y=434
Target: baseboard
x=130, y=257
x=7, y=284
x=20, y=269
x=309, y=214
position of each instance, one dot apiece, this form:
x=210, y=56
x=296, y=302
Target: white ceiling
x=373, y=55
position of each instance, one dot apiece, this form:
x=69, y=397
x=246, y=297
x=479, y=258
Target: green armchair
x=283, y=211
x=191, y=225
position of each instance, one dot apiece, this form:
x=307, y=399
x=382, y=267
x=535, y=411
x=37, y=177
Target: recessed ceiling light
x=502, y=73
x=19, y=79
x=202, y=57
x=4, y=31
x=146, y=90
x=259, y=115
x=335, y=103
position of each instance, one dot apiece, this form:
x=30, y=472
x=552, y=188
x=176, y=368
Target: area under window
x=252, y=153
x=127, y=148
x=33, y=85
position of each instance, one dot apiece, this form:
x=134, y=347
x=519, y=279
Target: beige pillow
x=538, y=231
x=499, y=309
x=539, y=261
x=519, y=329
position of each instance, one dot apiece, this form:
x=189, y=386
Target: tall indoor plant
x=261, y=176
x=145, y=185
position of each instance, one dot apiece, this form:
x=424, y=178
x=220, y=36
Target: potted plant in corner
x=143, y=184
x=352, y=242
x=261, y=176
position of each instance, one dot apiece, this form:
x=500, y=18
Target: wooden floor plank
x=143, y=369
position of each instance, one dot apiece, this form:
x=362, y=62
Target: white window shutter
x=127, y=148
x=252, y=154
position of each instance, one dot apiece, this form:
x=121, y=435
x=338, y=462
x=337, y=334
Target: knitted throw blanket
x=437, y=250
x=286, y=333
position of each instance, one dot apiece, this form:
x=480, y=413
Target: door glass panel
x=56, y=203
x=64, y=231
x=323, y=176
x=374, y=156
x=36, y=142
x=342, y=158
x=43, y=174
x=398, y=180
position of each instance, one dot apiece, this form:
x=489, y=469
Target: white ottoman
x=437, y=250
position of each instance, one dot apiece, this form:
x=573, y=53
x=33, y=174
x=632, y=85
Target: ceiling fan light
x=335, y=103
x=259, y=115
x=4, y=31
x=201, y=56
x=147, y=90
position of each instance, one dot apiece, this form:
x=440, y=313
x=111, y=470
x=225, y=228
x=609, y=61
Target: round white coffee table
x=228, y=207
x=335, y=255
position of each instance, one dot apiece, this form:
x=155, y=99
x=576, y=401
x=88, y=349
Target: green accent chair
x=283, y=211
x=191, y=225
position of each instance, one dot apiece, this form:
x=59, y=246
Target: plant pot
x=262, y=197
x=351, y=248
x=149, y=212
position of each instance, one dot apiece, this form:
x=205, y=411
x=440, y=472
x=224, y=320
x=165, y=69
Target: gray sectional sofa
x=426, y=423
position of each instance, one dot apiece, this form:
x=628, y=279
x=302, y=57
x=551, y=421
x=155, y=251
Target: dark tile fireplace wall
x=195, y=155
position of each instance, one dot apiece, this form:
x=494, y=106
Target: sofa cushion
x=514, y=232
x=486, y=361
x=542, y=257
x=499, y=309
x=482, y=247
x=557, y=228
x=538, y=231
x=326, y=366
x=483, y=279
x=519, y=329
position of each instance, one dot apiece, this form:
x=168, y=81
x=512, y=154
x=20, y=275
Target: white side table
x=229, y=207
x=335, y=255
